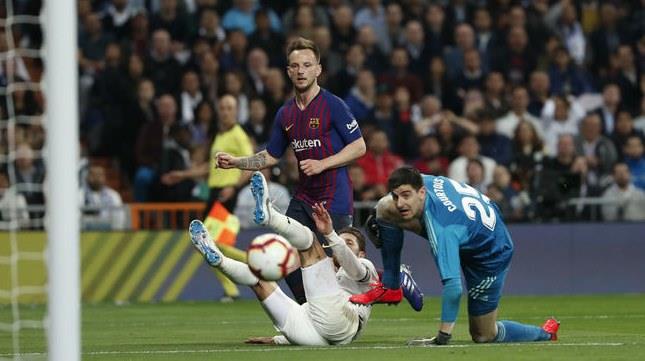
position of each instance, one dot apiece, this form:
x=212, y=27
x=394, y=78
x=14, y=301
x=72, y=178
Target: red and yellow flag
x=222, y=225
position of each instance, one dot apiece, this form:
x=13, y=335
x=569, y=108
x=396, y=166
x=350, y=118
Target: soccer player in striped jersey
x=466, y=233
x=325, y=137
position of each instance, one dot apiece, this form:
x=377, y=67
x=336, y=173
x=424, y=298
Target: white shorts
x=328, y=318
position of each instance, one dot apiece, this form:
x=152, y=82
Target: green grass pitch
x=593, y=328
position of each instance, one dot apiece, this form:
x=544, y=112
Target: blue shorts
x=484, y=291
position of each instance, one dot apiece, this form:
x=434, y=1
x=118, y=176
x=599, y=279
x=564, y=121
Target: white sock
x=298, y=235
x=238, y=272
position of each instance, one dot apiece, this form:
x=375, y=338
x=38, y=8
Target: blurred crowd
x=531, y=102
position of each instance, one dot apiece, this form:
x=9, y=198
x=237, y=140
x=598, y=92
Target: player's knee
x=482, y=337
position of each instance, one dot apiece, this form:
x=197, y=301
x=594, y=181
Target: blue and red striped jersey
x=320, y=130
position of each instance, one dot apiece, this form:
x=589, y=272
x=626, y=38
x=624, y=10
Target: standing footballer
x=325, y=137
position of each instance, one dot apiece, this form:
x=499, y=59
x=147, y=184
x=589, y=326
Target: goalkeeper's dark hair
x=360, y=238
x=303, y=44
x=405, y=175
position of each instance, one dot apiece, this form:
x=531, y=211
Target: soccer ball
x=270, y=257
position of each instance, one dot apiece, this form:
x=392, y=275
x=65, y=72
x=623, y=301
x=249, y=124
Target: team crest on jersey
x=314, y=123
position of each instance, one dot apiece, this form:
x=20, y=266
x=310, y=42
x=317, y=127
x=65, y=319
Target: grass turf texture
x=593, y=328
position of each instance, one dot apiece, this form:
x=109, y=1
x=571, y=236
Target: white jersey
x=352, y=287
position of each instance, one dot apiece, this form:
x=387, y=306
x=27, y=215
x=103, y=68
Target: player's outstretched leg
x=298, y=235
x=237, y=271
x=510, y=331
x=411, y=291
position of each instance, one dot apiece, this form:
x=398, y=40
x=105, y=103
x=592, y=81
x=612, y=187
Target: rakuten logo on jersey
x=305, y=144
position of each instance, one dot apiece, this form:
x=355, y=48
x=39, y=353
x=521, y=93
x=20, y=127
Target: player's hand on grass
x=260, y=341
x=322, y=219
x=312, y=166
x=225, y=161
x=441, y=339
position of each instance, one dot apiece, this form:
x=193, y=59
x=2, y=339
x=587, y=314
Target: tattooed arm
x=257, y=161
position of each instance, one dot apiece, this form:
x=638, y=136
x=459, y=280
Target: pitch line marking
x=328, y=348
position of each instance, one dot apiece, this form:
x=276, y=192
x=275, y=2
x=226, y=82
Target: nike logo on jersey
x=287, y=128
x=352, y=126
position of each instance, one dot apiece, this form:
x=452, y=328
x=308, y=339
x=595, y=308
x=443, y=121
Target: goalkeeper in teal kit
x=466, y=233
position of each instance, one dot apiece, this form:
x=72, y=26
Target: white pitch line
x=330, y=348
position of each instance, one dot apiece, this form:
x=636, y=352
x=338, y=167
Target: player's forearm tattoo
x=254, y=162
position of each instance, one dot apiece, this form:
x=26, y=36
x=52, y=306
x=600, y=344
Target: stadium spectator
x=611, y=101
x=330, y=59
x=345, y=78
x=527, y=154
x=276, y=90
x=234, y=86
x=189, y=97
x=511, y=203
x=635, y=159
x=454, y=55
x=92, y=43
x=140, y=111
x=117, y=17
x=418, y=50
x=519, y=111
x=493, y=144
x=623, y=130
x=209, y=76
x=430, y=160
x=426, y=114
x=290, y=17
x=303, y=21
x=475, y=175
x=561, y=178
x=30, y=176
x=175, y=157
x=605, y=40
x=486, y=39
x=241, y=16
x=570, y=31
x=373, y=14
x=246, y=203
x=342, y=28
x=627, y=77
x=232, y=56
x=209, y=28
x=539, y=85
x=598, y=150
x=161, y=66
x=266, y=38
x=172, y=19
x=362, y=96
x=404, y=137
x=149, y=146
x=639, y=121
x=472, y=75
x=258, y=127
x=563, y=121
x=393, y=26
x=399, y=75
x=436, y=82
x=102, y=207
x=515, y=59
x=438, y=33
x=495, y=94
x=469, y=149
x=204, y=126
x=378, y=162
x=13, y=206
x=139, y=39
x=566, y=77
x=627, y=201
x=375, y=60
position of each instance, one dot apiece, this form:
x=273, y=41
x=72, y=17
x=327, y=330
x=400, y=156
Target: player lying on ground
x=328, y=318
x=465, y=231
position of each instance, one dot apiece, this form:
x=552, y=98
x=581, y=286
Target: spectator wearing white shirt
x=102, y=204
x=561, y=119
x=13, y=206
x=629, y=201
x=519, y=111
x=468, y=150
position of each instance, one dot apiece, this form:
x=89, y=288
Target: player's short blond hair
x=303, y=44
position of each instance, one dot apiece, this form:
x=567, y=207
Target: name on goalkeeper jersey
x=437, y=187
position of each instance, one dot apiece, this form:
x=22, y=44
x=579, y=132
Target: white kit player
x=327, y=318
